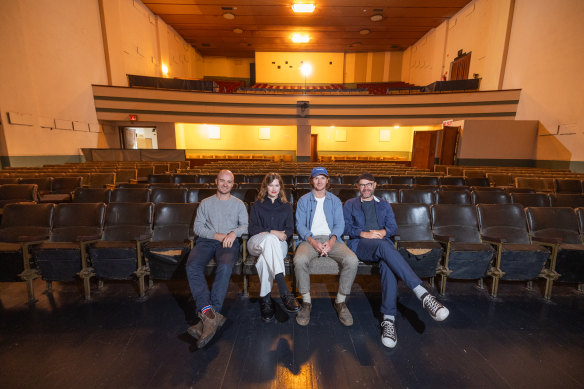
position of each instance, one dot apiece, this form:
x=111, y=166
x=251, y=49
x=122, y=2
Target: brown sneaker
x=211, y=322
x=303, y=317
x=345, y=316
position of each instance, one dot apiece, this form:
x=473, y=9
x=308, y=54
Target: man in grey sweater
x=220, y=220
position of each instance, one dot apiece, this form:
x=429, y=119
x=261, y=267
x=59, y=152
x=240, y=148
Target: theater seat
x=172, y=240
x=62, y=190
x=419, y=196
x=504, y=226
x=415, y=241
x=453, y=197
x=64, y=257
x=23, y=225
x=168, y=195
x=118, y=255
x=531, y=199
x=467, y=257
x=490, y=197
x=17, y=193
x=130, y=195
x=557, y=228
x=91, y=195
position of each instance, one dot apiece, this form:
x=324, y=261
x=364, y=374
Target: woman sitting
x=270, y=224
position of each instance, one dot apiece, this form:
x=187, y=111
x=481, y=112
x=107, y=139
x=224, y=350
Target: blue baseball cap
x=319, y=171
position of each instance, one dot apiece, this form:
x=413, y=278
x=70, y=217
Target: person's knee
x=272, y=240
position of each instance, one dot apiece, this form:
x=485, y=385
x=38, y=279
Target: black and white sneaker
x=438, y=311
x=388, y=334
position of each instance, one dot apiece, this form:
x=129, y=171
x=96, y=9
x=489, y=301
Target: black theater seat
x=467, y=257
x=453, y=197
x=63, y=257
x=490, y=197
x=567, y=185
x=62, y=190
x=168, y=195
x=91, y=195
x=23, y=225
x=531, y=199
x=172, y=240
x=415, y=241
x=418, y=196
x=130, y=195
x=504, y=226
x=558, y=228
x=118, y=255
x=17, y=193
x=572, y=200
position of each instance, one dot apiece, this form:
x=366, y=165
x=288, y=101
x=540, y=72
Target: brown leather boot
x=196, y=330
x=211, y=322
x=303, y=317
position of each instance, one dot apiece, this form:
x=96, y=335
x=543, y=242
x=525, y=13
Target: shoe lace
x=432, y=305
x=388, y=329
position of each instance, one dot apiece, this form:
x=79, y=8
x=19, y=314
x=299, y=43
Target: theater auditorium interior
x=117, y=115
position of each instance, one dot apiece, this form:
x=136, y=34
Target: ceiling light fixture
x=376, y=18
x=303, y=8
x=297, y=38
x=364, y=32
x=229, y=16
x=237, y=30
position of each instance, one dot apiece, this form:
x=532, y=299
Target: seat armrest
x=493, y=239
x=443, y=238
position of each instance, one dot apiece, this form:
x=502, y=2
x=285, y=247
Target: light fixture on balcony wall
x=238, y=30
x=384, y=135
x=264, y=133
x=376, y=17
x=303, y=7
x=213, y=132
x=229, y=16
x=298, y=38
x=364, y=31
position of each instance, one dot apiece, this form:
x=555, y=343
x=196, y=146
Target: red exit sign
x=133, y=118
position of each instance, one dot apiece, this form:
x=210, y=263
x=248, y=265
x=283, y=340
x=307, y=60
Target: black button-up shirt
x=268, y=215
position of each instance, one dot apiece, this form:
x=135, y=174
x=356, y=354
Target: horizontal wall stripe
x=327, y=106
x=250, y=115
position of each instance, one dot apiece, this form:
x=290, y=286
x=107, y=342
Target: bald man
x=220, y=220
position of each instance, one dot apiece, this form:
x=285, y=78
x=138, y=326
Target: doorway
x=424, y=150
x=313, y=147
x=138, y=138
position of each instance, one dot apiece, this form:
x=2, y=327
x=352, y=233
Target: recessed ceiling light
x=297, y=38
x=303, y=8
x=237, y=30
x=229, y=16
x=376, y=17
x=364, y=32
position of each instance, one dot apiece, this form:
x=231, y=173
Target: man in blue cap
x=320, y=225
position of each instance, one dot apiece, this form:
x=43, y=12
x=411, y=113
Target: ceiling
x=335, y=25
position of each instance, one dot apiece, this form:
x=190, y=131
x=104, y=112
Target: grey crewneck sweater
x=216, y=216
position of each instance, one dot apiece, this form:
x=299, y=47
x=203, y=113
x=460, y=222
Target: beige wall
x=227, y=67
x=481, y=28
x=50, y=54
x=326, y=67
x=379, y=66
x=546, y=52
x=498, y=139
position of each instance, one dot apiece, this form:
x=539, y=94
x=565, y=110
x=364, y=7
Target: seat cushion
x=167, y=259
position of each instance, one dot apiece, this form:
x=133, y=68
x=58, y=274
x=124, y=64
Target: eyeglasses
x=367, y=185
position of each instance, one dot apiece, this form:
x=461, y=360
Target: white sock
x=389, y=317
x=306, y=297
x=341, y=298
x=419, y=291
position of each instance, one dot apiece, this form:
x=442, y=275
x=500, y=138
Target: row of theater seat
x=125, y=240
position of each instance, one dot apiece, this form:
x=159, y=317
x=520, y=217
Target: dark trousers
x=199, y=257
x=391, y=264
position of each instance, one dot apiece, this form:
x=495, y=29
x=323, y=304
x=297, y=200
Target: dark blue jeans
x=199, y=257
x=391, y=264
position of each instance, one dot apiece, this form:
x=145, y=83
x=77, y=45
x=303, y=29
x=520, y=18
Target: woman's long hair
x=268, y=179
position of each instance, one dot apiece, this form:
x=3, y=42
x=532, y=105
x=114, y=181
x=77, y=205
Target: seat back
x=531, y=199
x=349, y=179
x=128, y=221
x=452, y=197
x=168, y=195
x=401, y=180
x=44, y=184
x=64, y=185
x=16, y=193
x=389, y=195
x=75, y=221
x=160, y=178
x=420, y=196
x=505, y=221
x=413, y=222
x=565, y=185
x=478, y=181
x=535, y=183
x=553, y=222
x=174, y=222
x=572, y=200
x=453, y=180
x=144, y=171
x=91, y=195
x=26, y=222
x=500, y=179
x=185, y=178
x=347, y=194
x=490, y=197
x=130, y=195
x=9, y=180
x=101, y=180
x=246, y=195
x=580, y=215
x=458, y=221
x=126, y=175
x=426, y=180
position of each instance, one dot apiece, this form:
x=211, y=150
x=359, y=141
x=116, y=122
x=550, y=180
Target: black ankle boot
x=290, y=303
x=267, y=308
